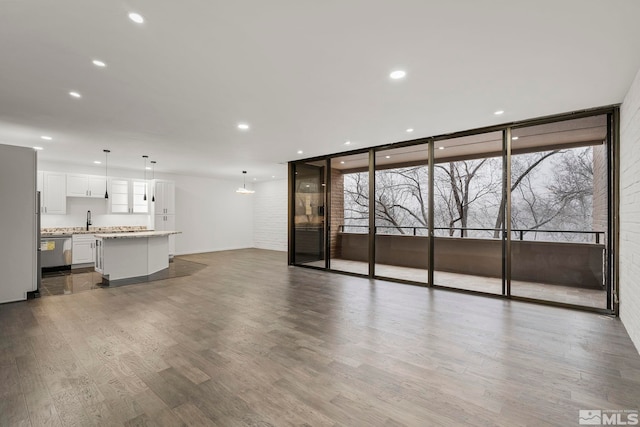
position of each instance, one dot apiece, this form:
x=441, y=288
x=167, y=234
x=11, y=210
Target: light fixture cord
x=145, y=178
x=153, y=178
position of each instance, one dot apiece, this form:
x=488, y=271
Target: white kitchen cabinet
x=166, y=223
x=140, y=196
x=54, y=193
x=127, y=196
x=83, y=251
x=85, y=186
x=99, y=261
x=164, y=192
x=164, y=209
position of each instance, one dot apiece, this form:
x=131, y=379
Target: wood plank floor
x=248, y=341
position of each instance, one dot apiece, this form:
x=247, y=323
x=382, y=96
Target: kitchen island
x=136, y=255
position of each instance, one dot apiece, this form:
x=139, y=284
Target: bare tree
x=456, y=190
x=469, y=194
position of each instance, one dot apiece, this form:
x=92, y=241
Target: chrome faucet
x=88, y=219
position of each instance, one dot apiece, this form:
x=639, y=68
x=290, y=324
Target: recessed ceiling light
x=499, y=112
x=243, y=126
x=410, y=130
x=273, y=176
x=307, y=185
x=299, y=151
x=387, y=157
x=255, y=179
x=148, y=168
x=38, y=148
x=347, y=143
x=342, y=162
x=136, y=17
x=46, y=138
x=398, y=74
x=75, y=94
x=515, y=138
x=99, y=63
x=440, y=148
x=97, y=162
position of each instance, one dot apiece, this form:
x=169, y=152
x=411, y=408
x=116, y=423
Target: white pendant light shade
x=243, y=189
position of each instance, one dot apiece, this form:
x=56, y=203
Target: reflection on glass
x=559, y=212
x=309, y=215
x=468, y=219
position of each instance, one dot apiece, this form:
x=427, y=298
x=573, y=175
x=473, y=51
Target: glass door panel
x=401, y=203
x=559, y=212
x=349, y=230
x=469, y=213
x=309, y=213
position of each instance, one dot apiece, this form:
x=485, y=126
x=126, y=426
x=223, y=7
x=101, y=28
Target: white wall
x=270, y=215
x=630, y=211
x=209, y=213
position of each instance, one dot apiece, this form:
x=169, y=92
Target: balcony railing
x=519, y=233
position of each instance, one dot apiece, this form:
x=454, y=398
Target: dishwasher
x=55, y=251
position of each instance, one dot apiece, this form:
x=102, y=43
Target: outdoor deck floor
x=540, y=291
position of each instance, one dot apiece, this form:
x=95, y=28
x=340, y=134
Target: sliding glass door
x=559, y=212
x=402, y=213
x=522, y=211
x=468, y=212
x=309, y=197
x=349, y=228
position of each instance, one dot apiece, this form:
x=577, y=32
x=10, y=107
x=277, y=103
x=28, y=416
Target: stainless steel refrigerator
x=19, y=226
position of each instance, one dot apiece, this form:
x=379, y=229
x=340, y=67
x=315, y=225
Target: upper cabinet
x=164, y=192
x=53, y=192
x=128, y=196
x=86, y=186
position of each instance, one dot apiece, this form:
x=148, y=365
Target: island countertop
x=135, y=234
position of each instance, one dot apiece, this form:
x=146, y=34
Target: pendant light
x=243, y=189
x=153, y=178
x=145, y=177
x=106, y=173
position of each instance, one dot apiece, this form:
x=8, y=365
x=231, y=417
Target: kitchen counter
x=68, y=231
x=135, y=234
x=125, y=256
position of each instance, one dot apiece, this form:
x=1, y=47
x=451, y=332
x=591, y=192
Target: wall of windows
x=522, y=211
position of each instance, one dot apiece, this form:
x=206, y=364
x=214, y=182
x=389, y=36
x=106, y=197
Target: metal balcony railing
x=519, y=233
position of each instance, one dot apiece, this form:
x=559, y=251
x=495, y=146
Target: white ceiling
x=306, y=75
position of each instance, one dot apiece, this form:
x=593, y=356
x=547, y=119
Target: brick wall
x=337, y=211
x=600, y=216
x=630, y=211
x=270, y=215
